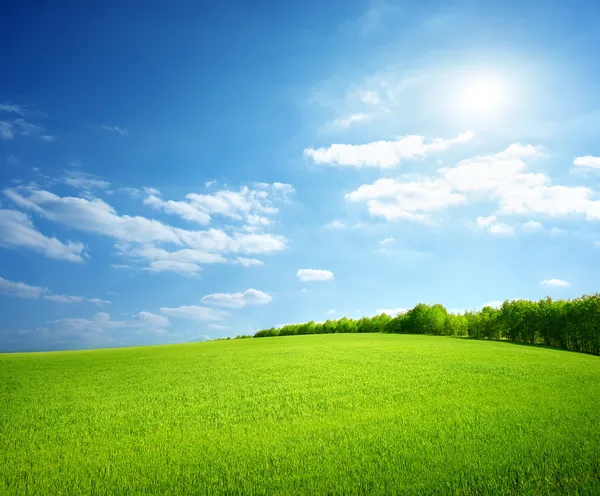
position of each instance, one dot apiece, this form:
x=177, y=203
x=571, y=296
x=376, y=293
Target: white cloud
x=493, y=304
x=132, y=192
x=412, y=200
x=306, y=275
x=6, y=131
x=95, y=215
x=184, y=268
x=121, y=266
x=503, y=176
x=532, y=225
x=248, y=262
x=208, y=184
x=74, y=299
x=18, y=231
x=486, y=221
x=237, y=300
x=84, y=181
x=345, y=122
x=182, y=209
x=330, y=312
x=20, y=289
x=218, y=327
x=304, y=290
x=370, y=97
x=11, y=108
x=335, y=224
x=387, y=242
x=492, y=225
x=502, y=229
x=382, y=154
x=557, y=231
x=587, y=161
x=254, y=243
x=98, y=301
x=249, y=205
x=101, y=322
x=115, y=129
x=392, y=312
x=558, y=283
x=138, y=236
x=195, y=312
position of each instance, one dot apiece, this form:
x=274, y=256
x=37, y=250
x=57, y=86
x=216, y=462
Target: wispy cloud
x=101, y=322
x=18, y=231
x=557, y=283
x=84, y=181
x=248, y=262
x=195, y=312
x=114, y=129
x=23, y=290
x=237, y=300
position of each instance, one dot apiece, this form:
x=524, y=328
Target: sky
x=182, y=171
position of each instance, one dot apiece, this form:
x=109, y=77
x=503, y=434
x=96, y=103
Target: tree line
x=569, y=324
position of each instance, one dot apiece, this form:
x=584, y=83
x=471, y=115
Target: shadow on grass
x=532, y=345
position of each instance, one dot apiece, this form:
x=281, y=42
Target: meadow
x=316, y=414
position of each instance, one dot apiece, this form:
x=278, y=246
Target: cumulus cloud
x=251, y=205
x=501, y=177
x=587, y=161
x=308, y=275
x=18, y=231
x=492, y=225
x=532, y=225
x=382, y=154
x=335, y=224
x=557, y=283
x=248, y=262
x=184, y=210
x=195, y=312
x=412, y=200
x=330, y=312
x=237, y=300
x=95, y=215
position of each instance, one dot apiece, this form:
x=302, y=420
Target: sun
x=483, y=95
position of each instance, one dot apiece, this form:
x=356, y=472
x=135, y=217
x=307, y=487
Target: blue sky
x=189, y=171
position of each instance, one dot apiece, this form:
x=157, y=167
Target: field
x=321, y=414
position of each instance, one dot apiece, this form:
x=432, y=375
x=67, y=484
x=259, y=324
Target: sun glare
x=484, y=95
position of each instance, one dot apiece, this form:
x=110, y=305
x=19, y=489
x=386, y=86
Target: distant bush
x=569, y=324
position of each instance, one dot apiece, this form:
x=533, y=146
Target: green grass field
x=322, y=414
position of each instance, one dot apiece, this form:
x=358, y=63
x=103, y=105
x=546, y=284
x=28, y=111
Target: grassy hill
x=321, y=414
